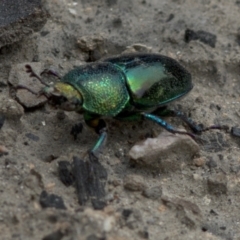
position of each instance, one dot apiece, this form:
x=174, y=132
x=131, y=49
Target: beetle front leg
x=165, y=125
x=100, y=142
x=50, y=72
x=100, y=128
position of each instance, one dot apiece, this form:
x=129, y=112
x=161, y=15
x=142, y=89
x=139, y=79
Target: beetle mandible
x=132, y=86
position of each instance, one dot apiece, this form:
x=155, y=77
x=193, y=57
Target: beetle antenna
x=33, y=74
x=50, y=72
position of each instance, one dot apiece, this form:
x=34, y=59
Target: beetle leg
x=165, y=125
x=164, y=111
x=219, y=127
x=100, y=142
x=33, y=74
x=50, y=72
x=100, y=128
x=197, y=128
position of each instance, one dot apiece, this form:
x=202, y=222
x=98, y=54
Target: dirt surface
x=197, y=199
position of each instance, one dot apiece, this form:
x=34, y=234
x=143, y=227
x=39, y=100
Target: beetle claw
x=92, y=156
x=219, y=127
x=192, y=135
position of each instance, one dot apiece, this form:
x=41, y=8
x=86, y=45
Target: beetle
x=125, y=87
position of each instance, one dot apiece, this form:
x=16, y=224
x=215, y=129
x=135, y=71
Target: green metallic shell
x=102, y=86
x=153, y=80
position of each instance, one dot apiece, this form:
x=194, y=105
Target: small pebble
x=10, y=110
x=116, y=182
x=51, y=200
x=61, y=115
x=203, y=36
x=126, y=213
x=72, y=11
x=217, y=184
x=109, y=197
x=54, y=236
x=32, y=137
x=199, y=100
x=199, y=162
x=197, y=177
x=134, y=183
x=153, y=192
x=211, y=163
x=167, y=152
x=235, y=131
x=3, y=150
x=19, y=76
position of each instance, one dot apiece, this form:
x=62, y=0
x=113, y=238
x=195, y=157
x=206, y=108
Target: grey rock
x=167, y=152
x=133, y=218
x=3, y=150
x=199, y=162
x=188, y=212
x=20, y=18
x=134, y=182
x=211, y=163
x=10, y=109
x=29, y=100
x=93, y=46
x=217, y=184
x=153, y=192
x=19, y=76
x=137, y=47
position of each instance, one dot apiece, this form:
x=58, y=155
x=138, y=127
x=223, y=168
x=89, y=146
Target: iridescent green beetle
x=132, y=86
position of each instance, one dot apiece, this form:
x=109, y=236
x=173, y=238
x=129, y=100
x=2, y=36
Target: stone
x=51, y=200
x=19, y=19
x=93, y=46
x=153, y=192
x=199, y=162
x=217, y=184
x=19, y=77
x=167, y=152
x=10, y=109
x=188, y=212
x=134, y=182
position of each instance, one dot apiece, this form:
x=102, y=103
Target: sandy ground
x=198, y=199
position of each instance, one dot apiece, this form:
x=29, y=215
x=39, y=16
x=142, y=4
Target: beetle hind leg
x=218, y=127
x=196, y=128
x=166, y=126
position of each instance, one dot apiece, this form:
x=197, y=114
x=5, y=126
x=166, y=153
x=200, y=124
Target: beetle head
x=63, y=96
